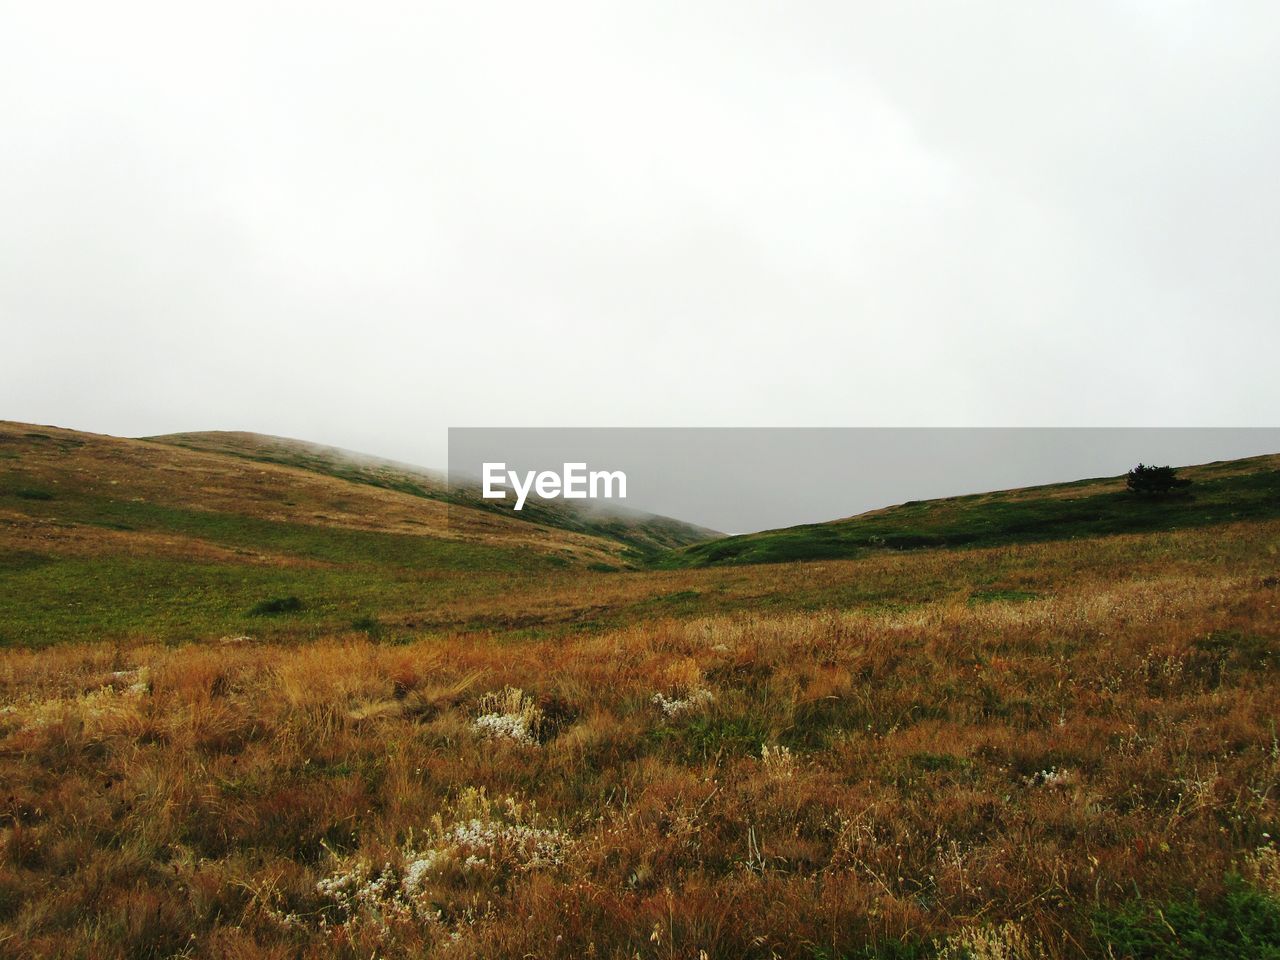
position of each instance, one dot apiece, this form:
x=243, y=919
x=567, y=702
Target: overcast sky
x=363, y=223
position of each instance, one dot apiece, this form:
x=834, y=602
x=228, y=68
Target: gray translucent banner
x=738, y=480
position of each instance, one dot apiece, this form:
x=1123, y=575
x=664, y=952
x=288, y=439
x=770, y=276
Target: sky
x=362, y=224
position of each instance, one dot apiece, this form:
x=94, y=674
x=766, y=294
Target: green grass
x=55, y=599
x=1002, y=596
x=697, y=737
x=1242, y=924
x=336, y=574
x=998, y=519
x=328, y=544
x=32, y=493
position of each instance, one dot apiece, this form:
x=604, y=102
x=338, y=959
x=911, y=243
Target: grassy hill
x=112, y=537
x=1221, y=492
x=645, y=535
x=315, y=457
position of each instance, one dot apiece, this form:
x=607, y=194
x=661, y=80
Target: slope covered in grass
x=1221, y=492
x=644, y=535
x=101, y=536
x=315, y=457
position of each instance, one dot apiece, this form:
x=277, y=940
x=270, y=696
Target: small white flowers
x=488, y=843
x=1053, y=778
x=504, y=726
x=694, y=699
x=135, y=682
x=418, y=870
x=508, y=714
x=483, y=839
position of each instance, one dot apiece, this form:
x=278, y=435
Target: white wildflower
x=480, y=839
x=508, y=714
x=504, y=726
x=693, y=699
x=1053, y=777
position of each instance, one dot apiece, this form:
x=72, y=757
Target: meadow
x=481, y=744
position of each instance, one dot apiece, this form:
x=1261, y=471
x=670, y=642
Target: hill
x=1221, y=492
x=106, y=536
x=645, y=535
x=315, y=457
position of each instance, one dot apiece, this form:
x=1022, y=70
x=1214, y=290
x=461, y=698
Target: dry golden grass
x=878, y=758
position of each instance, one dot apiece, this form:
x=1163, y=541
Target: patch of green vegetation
x=32, y=493
x=1037, y=515
x=705, y=736
x=13, y=561
x=678, y=599
x=1242, y=924
x=1246, y=650
x=328, y=544
x=274, y=606
x=1005, y=596
x=81, y=598
x=341, y=574
x=935, y=762
x=816, y=722
x=369, y=625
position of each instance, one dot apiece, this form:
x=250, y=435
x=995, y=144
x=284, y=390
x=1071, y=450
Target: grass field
x=251, y=711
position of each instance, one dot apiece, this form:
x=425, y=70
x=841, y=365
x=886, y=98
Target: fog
x=363, y=224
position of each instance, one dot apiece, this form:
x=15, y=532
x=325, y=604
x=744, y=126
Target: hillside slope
x=106, y=536
x=644, y=534
x=1221, y=492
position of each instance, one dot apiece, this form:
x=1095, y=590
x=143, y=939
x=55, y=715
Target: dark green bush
x=1153, y=481
x=31, y=493
x=274, y=606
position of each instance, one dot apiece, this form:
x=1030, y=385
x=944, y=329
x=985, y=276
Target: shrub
x=1153, y=481
x=32, y=493
x=275, y=605
x=370, y=625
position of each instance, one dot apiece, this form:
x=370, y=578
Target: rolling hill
x=1221, y=492
x=107, y=536
x=645, y=535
